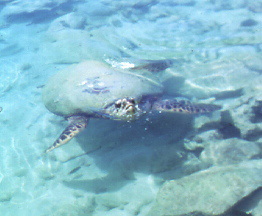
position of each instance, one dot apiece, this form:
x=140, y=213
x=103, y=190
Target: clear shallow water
x=117, y=168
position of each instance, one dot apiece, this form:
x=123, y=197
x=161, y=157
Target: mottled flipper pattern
x=182, y=106
x=154, y=66
x=76, y=125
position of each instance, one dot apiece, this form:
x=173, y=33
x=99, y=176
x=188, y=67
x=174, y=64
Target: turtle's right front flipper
x=76, y=125
x=182, y=106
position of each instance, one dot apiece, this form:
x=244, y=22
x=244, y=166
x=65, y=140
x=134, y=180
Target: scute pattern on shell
x=88, y=87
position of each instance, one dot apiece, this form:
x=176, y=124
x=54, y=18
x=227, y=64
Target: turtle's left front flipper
x=76, y=125
x=182, y=106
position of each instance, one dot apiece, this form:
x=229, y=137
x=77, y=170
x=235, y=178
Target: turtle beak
x=130, y=109
x=123, y=109
x=130, y=106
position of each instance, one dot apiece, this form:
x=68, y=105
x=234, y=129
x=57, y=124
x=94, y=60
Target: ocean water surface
x=163, y=164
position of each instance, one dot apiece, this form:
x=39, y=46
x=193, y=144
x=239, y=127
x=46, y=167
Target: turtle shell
x=90, y=86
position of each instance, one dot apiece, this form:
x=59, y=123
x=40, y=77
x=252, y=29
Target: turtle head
x=123, y=109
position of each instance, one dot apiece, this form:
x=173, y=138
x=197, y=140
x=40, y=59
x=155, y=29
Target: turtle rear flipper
x=154, y=66
x=76, y=125
x=182, y=106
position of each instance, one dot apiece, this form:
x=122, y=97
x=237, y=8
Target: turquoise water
x=165, y=164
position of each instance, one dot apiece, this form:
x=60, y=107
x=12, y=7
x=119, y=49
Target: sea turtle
x=93, y=89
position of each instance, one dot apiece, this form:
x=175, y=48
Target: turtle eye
x=132, y=100
x=118, y=105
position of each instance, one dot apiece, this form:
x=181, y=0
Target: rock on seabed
x=212, y=191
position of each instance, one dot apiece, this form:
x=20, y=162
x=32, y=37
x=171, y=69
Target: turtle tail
x=182, y=106
x=76, y=125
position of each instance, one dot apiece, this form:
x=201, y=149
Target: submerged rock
x=227, y=74
x=255, y=6
x=246, y=113
x=229, y=151
x=212, y=191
